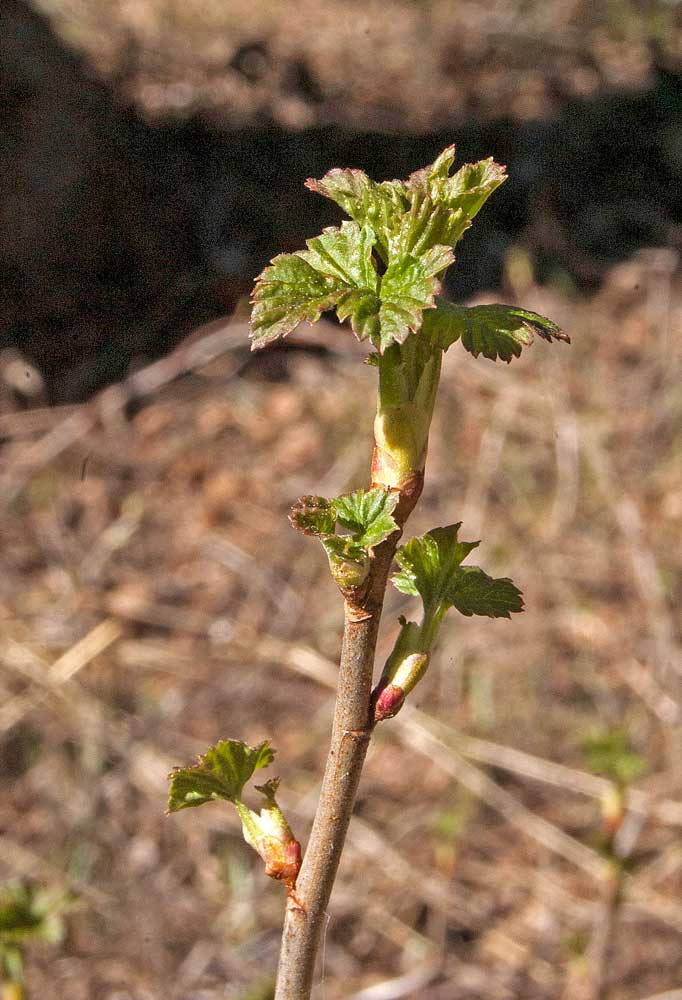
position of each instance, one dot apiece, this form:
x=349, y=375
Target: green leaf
x=451, y=202
x=368, y=515
x=473, y=592
x=495, y=331
x=427, y=179
x=378, y=205
x=345, y=254
x=411, y=225
x=362, y=306
x=220, y=773
x=342, y=548
x=287, y=293
x=430, y=567
x=429, y=562
x=407, y=288
x=472, y=185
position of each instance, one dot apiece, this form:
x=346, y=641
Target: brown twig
x=351, y=734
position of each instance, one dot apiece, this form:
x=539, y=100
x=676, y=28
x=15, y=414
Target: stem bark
x=351, y=733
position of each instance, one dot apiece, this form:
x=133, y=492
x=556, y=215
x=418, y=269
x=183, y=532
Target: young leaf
x=428, y=225
x=362, y=306
x=428, y=178
x=220, y=773
x=473, y=592
x=472, y=185
x=495, y=331
x=368, y=515
x=313, y=516
x=429, y=563
x=345, y=254
x=465, y=192
x=287, y=293
x=379, y=206
x=407, y=289
x=430, y=567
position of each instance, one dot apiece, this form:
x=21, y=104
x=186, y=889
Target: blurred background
x=517, y=833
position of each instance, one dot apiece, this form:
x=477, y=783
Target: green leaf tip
x=379, y=270
x=220, y=773
x=366, y=514
x=496, y=331
x=430, y=568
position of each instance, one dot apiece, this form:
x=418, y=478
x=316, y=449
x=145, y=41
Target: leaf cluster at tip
x=430, y=567
x=380, y=270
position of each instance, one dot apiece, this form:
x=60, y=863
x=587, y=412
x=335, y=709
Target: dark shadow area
x=118, y=237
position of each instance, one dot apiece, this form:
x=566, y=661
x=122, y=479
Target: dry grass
x=154, y=600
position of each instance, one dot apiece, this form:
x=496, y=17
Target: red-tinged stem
x=351, y=734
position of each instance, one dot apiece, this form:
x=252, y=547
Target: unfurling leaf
x=368, y=515
x=313, y=516
x=429, y=563
x=344, y=253
x=476, y=593
x=379, y=205
x=430, y=567
x=221, y=773
x=495, y=331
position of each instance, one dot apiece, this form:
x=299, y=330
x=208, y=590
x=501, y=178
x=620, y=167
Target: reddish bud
x=388, y=702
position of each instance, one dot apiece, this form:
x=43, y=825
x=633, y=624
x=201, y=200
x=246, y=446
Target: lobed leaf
x=427, y=564
x=495, y=331
x=430, y=567
x=407, y=289
x=412, y=225
x=368, y=515
x=472, y=185
x=463, y=194
x=344, y=253
x=473, y=592
x=220, y=773
x=378, y=205
x=362, y=306
x=287, y=293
